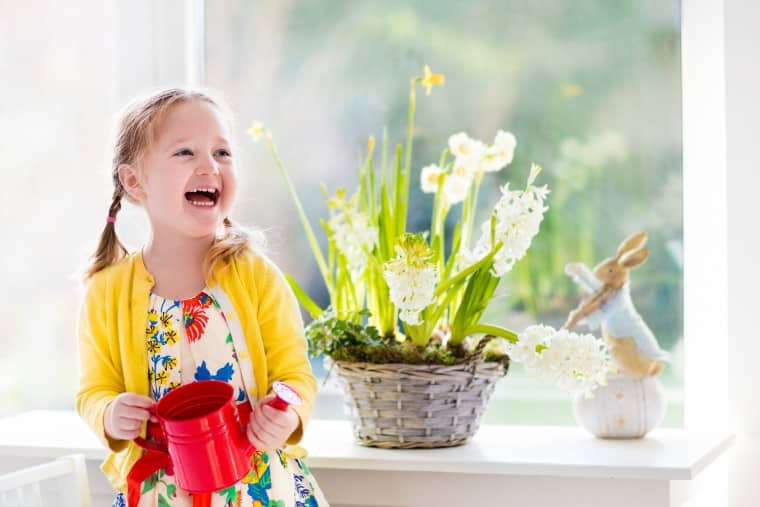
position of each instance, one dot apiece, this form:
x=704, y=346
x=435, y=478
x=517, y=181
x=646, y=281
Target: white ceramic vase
x=625, y=408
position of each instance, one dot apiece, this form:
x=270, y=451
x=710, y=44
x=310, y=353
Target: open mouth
x=203, y=197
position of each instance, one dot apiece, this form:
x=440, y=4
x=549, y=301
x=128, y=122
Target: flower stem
x=408, y=149
x=305, y=221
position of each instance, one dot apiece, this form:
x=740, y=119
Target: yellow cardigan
x=112, y=347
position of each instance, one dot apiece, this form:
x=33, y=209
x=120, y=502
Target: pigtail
x=110, y=250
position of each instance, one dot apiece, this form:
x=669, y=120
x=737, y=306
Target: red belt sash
x=157, y=457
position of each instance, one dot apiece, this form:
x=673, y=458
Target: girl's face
x=187, y=177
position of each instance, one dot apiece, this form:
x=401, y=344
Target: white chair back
x=62, y=482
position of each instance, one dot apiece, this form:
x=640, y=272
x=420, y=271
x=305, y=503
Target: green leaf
x=387, y=225
x=303, y=298
x=171, y=490
x=492, y=330
x=162, y=502
x=445, y=284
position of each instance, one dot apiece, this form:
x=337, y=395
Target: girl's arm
x=100, y=380
x=285, y=345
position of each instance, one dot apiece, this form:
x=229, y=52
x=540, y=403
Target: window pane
x=59, y=86
x=591, y=90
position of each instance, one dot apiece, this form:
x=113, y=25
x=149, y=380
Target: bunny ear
x=634, y=258
x=632, y=242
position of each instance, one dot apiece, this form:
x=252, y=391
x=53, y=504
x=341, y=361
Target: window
x=59, y=95
x=592, y=92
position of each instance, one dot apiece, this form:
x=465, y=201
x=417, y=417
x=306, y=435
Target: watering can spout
x=284, y=396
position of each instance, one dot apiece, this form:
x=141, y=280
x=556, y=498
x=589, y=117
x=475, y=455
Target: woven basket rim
x=466, y=362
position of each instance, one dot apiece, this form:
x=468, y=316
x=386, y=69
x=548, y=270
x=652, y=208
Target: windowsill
x=666, y=454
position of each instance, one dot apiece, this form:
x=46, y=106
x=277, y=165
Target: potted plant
x=404, y=326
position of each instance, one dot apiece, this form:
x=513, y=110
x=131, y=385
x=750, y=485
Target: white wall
x=743, y=140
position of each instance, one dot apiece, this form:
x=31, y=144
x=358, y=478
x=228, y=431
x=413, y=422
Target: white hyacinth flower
x=429, y=178
x=525, y=350
x=575, y=362
x=500, y=153
x=466, y=258
x=518, y=216
x=351, y=232
x=411, y=277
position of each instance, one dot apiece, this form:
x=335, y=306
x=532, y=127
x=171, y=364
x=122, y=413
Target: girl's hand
x=125, y=414
x=269, y=428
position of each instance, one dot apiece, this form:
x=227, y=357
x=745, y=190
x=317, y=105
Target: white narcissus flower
x=575, y=362
x=468, y=152
x=455, y=187
x=411, y=277
x=500, y=153
x=460, y=145
x=462, y=170
x=518, y=216
x=429, y=178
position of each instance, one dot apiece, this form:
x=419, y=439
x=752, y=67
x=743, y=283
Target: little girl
x=196, y=302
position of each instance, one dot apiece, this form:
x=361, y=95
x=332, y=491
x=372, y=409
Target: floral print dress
x=191, y=340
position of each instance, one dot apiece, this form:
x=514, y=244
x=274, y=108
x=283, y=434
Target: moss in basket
x=345, y=340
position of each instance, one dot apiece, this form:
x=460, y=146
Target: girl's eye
x=223, y=153
x=184, y=152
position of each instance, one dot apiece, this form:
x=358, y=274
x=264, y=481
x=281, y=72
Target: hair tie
x=111, y=220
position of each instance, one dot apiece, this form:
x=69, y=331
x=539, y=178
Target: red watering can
x=205, y=438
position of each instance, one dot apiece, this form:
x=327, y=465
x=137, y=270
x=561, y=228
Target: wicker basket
x=403, y=406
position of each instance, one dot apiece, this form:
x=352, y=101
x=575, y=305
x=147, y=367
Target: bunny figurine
x=633, y=401
x=631, y=343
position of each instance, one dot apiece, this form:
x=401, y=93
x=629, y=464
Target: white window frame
x=178, y=29
x=171, y=55
x=705, y=216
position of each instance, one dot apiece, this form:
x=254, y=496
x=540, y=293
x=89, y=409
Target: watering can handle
x=149, y=445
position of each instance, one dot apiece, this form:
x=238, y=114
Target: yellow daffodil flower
x=257, y=130
x=429, y=80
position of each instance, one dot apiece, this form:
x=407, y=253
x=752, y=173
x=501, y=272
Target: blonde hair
x=134, y=135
